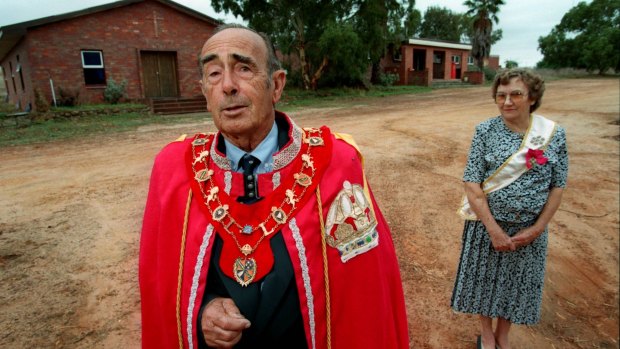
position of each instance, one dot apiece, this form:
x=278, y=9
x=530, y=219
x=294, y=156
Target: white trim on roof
x=432, y=43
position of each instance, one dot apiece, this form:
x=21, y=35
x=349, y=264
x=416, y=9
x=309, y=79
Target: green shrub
x=489, y=73
x=114, y=92
x=388, y=79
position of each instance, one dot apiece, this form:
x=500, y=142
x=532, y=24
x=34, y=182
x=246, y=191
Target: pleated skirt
x=500, y=284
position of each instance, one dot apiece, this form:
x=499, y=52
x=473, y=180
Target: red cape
x=366, y=304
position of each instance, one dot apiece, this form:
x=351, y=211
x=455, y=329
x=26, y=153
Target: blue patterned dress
x=507, y=284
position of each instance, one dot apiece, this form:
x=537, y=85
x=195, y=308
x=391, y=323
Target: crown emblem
x=351, y=226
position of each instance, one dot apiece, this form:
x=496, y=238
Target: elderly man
x=264, y=234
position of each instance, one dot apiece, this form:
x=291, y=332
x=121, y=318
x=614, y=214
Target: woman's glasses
x=515, y=97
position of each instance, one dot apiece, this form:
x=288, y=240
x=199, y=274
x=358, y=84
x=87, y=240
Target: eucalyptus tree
x=442, y=24
x=294, y=26
x=380, y=23
x=588, y=37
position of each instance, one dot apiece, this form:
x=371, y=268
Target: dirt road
x=70, y=214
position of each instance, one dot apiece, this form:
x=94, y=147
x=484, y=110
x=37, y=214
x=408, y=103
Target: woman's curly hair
x=534, y=82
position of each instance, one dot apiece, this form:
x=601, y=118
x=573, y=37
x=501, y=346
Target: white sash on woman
x=538, y=136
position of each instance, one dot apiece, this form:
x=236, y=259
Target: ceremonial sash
x=538, y=136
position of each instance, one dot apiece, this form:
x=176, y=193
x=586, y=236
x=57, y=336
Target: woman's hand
x=501, y=241
x=479, y=204
x=526, y=236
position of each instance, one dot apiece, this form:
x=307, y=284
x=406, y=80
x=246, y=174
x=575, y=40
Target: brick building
x=151, y=44
x=421, y=61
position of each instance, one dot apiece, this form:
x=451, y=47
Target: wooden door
x=159, y=71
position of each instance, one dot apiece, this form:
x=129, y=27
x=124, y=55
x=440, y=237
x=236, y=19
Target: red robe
x=366, y=306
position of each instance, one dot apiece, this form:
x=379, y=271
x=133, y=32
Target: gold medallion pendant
x=244, y=270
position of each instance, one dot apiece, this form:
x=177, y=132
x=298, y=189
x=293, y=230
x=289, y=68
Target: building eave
x=440, y=44
x=10, y=35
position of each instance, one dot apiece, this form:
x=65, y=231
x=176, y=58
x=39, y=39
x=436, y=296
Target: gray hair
x=273, y=64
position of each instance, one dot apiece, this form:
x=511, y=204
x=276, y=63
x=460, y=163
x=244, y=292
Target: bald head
x=240, y=85
x=273, y=64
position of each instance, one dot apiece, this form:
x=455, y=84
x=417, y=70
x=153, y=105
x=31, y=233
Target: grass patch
x=63, y=128
x=87, y=107
x=69, y=128
x=296, y=98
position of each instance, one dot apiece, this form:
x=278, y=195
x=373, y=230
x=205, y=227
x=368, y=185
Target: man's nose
x=229, y=83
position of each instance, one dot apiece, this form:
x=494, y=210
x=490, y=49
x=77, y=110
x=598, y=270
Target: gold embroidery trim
x=181, y=261
x=325, y=270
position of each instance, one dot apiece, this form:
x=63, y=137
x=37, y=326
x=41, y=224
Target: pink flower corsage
x=535, y=156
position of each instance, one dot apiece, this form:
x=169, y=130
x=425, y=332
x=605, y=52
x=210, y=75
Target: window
x=437, y=58
x=470, y=60
x=94, y=71
x=456, y=59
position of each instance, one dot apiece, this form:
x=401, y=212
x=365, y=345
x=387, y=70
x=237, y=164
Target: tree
x=293, y=25
x=588, y=37
x=485, y=13
x=412, y=22
x=299, y=26
x=349, y=62
x=511, y=64
x=379, y=23
x=442, y=24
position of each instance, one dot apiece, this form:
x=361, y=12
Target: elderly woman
x=514, y=178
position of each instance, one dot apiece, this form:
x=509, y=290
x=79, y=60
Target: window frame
x=92, y=68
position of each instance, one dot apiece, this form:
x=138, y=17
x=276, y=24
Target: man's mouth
x=233, y=107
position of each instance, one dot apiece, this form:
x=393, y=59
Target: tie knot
x=248, y=163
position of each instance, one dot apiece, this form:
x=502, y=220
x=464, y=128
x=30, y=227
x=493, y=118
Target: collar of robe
x=246, y=229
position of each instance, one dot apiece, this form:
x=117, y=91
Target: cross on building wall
x=156, y=23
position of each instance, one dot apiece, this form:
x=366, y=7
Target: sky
x=522, y=21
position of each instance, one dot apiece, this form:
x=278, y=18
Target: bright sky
x=522, y=21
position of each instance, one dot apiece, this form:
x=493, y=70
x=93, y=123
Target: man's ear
x=279, y=81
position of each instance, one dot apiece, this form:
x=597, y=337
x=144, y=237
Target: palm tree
x=484, y=13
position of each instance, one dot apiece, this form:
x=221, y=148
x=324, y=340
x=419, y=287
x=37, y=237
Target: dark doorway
x=419, y=60
x=159, y=70
x=439, y=59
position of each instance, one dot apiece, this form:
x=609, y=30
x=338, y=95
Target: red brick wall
x=19, y=96
x=493, y=62
x=54, y=50
x=425, y=77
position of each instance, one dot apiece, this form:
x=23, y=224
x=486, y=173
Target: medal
x=244, y=270
x=241, y=229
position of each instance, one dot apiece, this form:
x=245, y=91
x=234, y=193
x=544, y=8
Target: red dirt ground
x=70, y=215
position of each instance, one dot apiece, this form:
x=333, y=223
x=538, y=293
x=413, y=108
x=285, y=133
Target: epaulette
x=181, y=138
x=347, y=138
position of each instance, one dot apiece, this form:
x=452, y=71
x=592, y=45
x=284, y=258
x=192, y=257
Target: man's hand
x=222, y=323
